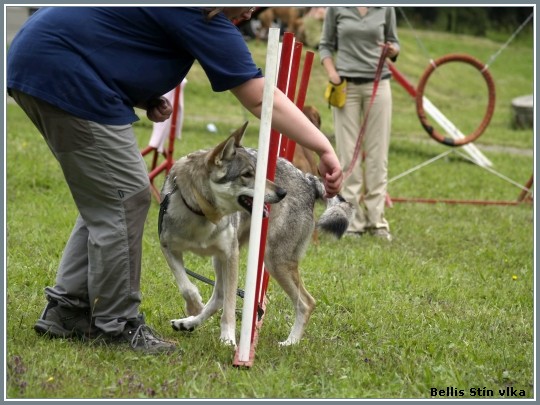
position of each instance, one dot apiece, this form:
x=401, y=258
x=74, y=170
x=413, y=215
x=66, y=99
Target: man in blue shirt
x=78, y=72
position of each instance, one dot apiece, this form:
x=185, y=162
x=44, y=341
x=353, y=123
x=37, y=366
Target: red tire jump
x=489, y=110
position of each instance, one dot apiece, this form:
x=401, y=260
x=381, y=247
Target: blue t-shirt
x=97, y=63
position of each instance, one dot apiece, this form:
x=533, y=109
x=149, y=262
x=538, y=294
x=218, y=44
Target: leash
x=239, y=292
x=376, y=81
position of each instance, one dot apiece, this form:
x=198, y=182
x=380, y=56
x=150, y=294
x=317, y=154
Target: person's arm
x=331, y=72
x=391, y=35
x=327, y=46
x=290, y=121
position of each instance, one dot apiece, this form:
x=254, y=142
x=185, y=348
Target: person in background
x=78, y=73
x=355, y=36
x=312, y=25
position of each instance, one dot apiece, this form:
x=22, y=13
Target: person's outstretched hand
x=331, y=173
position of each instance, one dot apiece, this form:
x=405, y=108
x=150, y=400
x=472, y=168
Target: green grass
x=449, y=303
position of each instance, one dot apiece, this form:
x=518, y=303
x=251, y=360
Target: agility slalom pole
x=244, y=348
x=301, y=98
x=262, y=276
x=444, y=122
x=275, y=140
x=288, y=72
x=291, y=89
x=286, y=145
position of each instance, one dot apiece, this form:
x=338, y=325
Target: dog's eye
x=248, y=174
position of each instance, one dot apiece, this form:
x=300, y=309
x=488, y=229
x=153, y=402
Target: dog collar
x=208, y=210
x=195, y=211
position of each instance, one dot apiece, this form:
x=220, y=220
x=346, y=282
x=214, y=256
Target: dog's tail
x=338, y=214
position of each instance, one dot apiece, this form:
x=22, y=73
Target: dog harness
x=163, y=205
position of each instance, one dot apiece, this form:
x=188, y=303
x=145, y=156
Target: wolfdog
x=206, y=209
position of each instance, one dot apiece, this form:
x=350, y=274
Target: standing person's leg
x=377, y=143
x=68, y=310
x=108, y=180
x=347, y=127
x=115, y=204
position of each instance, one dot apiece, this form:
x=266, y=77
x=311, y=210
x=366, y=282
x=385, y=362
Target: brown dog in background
x=289, y=16
x=305, y=159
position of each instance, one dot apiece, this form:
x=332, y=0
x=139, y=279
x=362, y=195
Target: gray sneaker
x=381, y=233
x=57, y=321
x=140, y=338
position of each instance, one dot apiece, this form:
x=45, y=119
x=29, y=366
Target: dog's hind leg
x=189, y=291
x=288, y=277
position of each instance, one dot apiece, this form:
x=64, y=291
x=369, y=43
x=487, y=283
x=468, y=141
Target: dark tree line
x=465, y=20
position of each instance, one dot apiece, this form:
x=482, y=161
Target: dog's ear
x=239, y=134
x=227, y=149
x=224, y=151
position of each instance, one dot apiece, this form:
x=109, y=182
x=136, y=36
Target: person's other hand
x=159, y=110
x=392, y=51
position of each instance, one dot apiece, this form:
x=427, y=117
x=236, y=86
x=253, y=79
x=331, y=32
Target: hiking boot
x=381, y=233
x=140, y=338
x=57, y=321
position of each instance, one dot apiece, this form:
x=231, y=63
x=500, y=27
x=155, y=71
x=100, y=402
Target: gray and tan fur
x=209, y=195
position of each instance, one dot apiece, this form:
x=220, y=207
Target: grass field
x=448, y=304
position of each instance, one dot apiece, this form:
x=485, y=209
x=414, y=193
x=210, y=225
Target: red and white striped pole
x=244, y=353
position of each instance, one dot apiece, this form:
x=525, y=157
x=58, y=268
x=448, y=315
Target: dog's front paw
x=289, y=342
x=228, y=341
x=228, y=334
x=185, y=324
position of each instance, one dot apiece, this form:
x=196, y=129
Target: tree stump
x=522, y=112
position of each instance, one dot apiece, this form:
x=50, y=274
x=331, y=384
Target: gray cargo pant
x=100, y=268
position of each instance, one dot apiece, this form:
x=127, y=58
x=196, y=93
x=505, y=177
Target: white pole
x=258, y=199
x=455, y=133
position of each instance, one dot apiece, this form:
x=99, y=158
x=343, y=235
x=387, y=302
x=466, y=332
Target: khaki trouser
x=100, y=268
x=366, y=186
